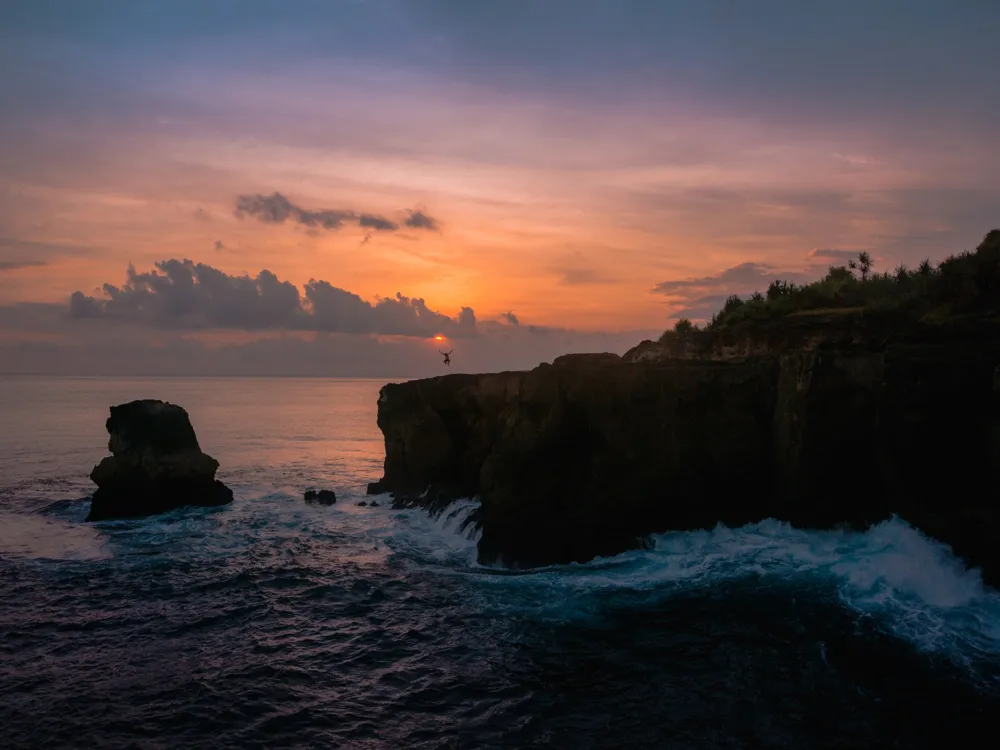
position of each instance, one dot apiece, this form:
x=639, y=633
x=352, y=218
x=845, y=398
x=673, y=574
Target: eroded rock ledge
x=590, y=454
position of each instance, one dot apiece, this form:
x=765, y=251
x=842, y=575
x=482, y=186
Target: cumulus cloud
x=277, y=209
x=14, y=265
x=181, y=294
x=82, y=306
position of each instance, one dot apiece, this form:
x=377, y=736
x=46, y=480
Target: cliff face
x=588, y=455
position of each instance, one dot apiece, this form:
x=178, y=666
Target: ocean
x=271, y=623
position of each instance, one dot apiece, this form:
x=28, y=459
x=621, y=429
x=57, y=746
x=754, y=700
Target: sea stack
x=156, y=466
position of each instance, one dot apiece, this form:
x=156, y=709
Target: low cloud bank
x=182, y=294
x=41, y=338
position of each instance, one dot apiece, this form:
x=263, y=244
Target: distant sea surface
x=270, y=623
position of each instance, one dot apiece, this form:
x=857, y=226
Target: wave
x=449, y=537
x=913, y=585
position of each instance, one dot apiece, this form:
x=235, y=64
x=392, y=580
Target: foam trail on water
x=911, y=583
x=448, y=537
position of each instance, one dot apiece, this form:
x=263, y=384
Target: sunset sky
x=530, y=177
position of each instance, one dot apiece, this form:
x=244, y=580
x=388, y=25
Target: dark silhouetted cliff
x=839, y=418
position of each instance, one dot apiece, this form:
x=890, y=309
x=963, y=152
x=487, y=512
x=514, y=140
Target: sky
x=302, y=187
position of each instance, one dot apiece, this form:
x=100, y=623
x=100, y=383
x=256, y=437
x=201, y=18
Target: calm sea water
x=270, y=623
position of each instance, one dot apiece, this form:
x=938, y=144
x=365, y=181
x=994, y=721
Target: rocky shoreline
x=818, y=423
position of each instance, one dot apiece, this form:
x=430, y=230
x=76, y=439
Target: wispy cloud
x=420, y=220
x=577, y=268
x=14, y=265
x=743, y=276
x=698, y=297
x=829, y=255
x=277, y=209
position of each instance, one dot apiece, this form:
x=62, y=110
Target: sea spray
x=912, y=584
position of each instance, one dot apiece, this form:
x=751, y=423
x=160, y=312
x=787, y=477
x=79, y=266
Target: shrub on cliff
x=683, y=326
x=968, y=283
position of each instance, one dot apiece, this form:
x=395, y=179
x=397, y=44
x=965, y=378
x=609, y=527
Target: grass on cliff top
x=965, y=284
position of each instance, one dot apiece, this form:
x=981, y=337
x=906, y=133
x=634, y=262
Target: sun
x=439, y=338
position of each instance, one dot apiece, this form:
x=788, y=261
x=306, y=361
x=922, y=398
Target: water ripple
x=272, y=623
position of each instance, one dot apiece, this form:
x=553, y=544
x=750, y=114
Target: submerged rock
x=321, y=497
x=156, y=466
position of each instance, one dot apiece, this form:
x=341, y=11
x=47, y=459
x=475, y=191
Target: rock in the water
x=321, y=497
x=150, y=426
x=156, y=464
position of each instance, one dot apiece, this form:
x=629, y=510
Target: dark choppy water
x=270, y=623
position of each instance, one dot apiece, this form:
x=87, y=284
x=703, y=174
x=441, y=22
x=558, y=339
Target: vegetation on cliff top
x=965, y=284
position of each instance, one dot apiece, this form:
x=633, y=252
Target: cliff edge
x=821, y=418
x=581, y=458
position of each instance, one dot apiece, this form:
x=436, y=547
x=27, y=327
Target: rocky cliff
x=589, y=455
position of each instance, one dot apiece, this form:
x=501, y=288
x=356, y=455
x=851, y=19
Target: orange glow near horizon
x=552, y=231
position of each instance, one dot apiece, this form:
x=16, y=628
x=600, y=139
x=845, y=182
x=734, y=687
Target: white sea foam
x=914, y=585
x=445, y=538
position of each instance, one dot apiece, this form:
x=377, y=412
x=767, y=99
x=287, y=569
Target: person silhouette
x=447, y=356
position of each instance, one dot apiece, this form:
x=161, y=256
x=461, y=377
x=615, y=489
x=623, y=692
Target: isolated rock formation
x=320, y=497
x=156, y=466
x=589, y=455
